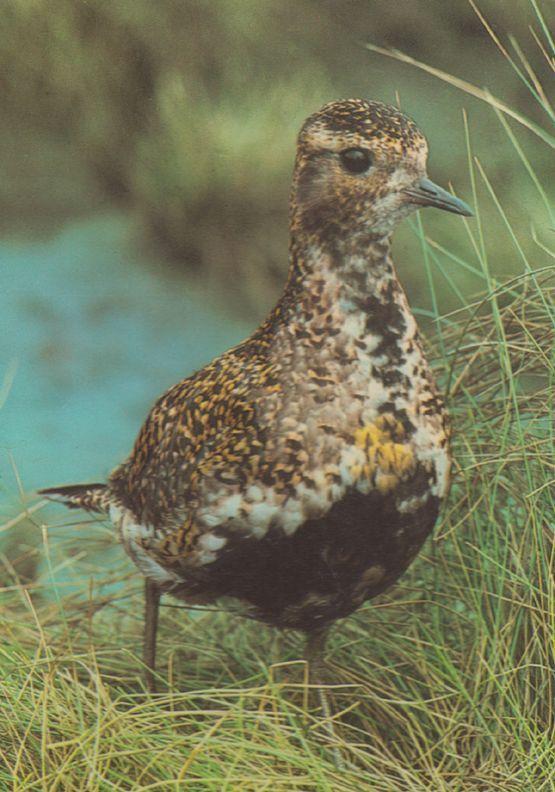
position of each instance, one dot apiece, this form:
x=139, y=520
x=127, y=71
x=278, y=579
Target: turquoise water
x=91, y=334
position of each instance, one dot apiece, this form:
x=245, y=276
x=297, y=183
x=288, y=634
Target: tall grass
x=444, y=683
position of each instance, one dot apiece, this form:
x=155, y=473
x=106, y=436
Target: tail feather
x=91, y=497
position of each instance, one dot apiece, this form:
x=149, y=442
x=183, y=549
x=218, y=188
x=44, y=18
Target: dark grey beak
x=426, y=193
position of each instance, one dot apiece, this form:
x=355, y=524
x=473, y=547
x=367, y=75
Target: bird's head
x=361, y=168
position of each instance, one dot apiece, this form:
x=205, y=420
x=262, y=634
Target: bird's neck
x=359, y=260
x=338, y=276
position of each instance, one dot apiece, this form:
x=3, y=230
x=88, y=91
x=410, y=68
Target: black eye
x=356, y=160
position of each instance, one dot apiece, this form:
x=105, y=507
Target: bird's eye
x=356, y=160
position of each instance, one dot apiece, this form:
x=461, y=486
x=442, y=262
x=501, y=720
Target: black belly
x=326, y=570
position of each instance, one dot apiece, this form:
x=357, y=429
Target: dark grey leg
x=314, y=649
x=314, y=656
x=152, y=603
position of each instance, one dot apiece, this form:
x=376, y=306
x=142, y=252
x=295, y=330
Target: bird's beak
x=426, y=193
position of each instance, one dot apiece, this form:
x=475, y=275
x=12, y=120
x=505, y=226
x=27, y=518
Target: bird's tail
x=91, y=497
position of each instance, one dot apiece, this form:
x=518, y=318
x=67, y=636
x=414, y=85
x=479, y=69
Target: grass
x=444, y=683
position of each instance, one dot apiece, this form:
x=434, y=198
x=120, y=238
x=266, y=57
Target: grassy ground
x=445, y=683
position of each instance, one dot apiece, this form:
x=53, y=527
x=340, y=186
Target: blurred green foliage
x=187, y=111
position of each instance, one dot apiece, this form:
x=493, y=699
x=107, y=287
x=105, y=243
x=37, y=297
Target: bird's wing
x=209, y=425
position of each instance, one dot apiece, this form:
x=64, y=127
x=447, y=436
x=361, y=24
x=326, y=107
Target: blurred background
x=146, y=152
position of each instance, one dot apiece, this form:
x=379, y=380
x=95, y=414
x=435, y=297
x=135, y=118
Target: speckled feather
x=301, y=471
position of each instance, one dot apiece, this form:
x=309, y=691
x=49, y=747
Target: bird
x=297, y=475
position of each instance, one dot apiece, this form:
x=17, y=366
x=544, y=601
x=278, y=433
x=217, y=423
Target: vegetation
x=445, y=683
x=188, y=111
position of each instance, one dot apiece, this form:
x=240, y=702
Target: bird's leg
x=314, y=649
x=152, y=603
x=314, y=656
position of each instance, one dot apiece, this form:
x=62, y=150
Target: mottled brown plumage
x=299, y=473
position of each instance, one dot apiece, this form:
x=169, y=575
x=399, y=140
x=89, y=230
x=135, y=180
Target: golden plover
x=299, y=473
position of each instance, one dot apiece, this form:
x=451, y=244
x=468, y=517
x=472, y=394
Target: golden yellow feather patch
x=389, y=458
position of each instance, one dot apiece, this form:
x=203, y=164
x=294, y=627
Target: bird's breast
x=340, y=428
